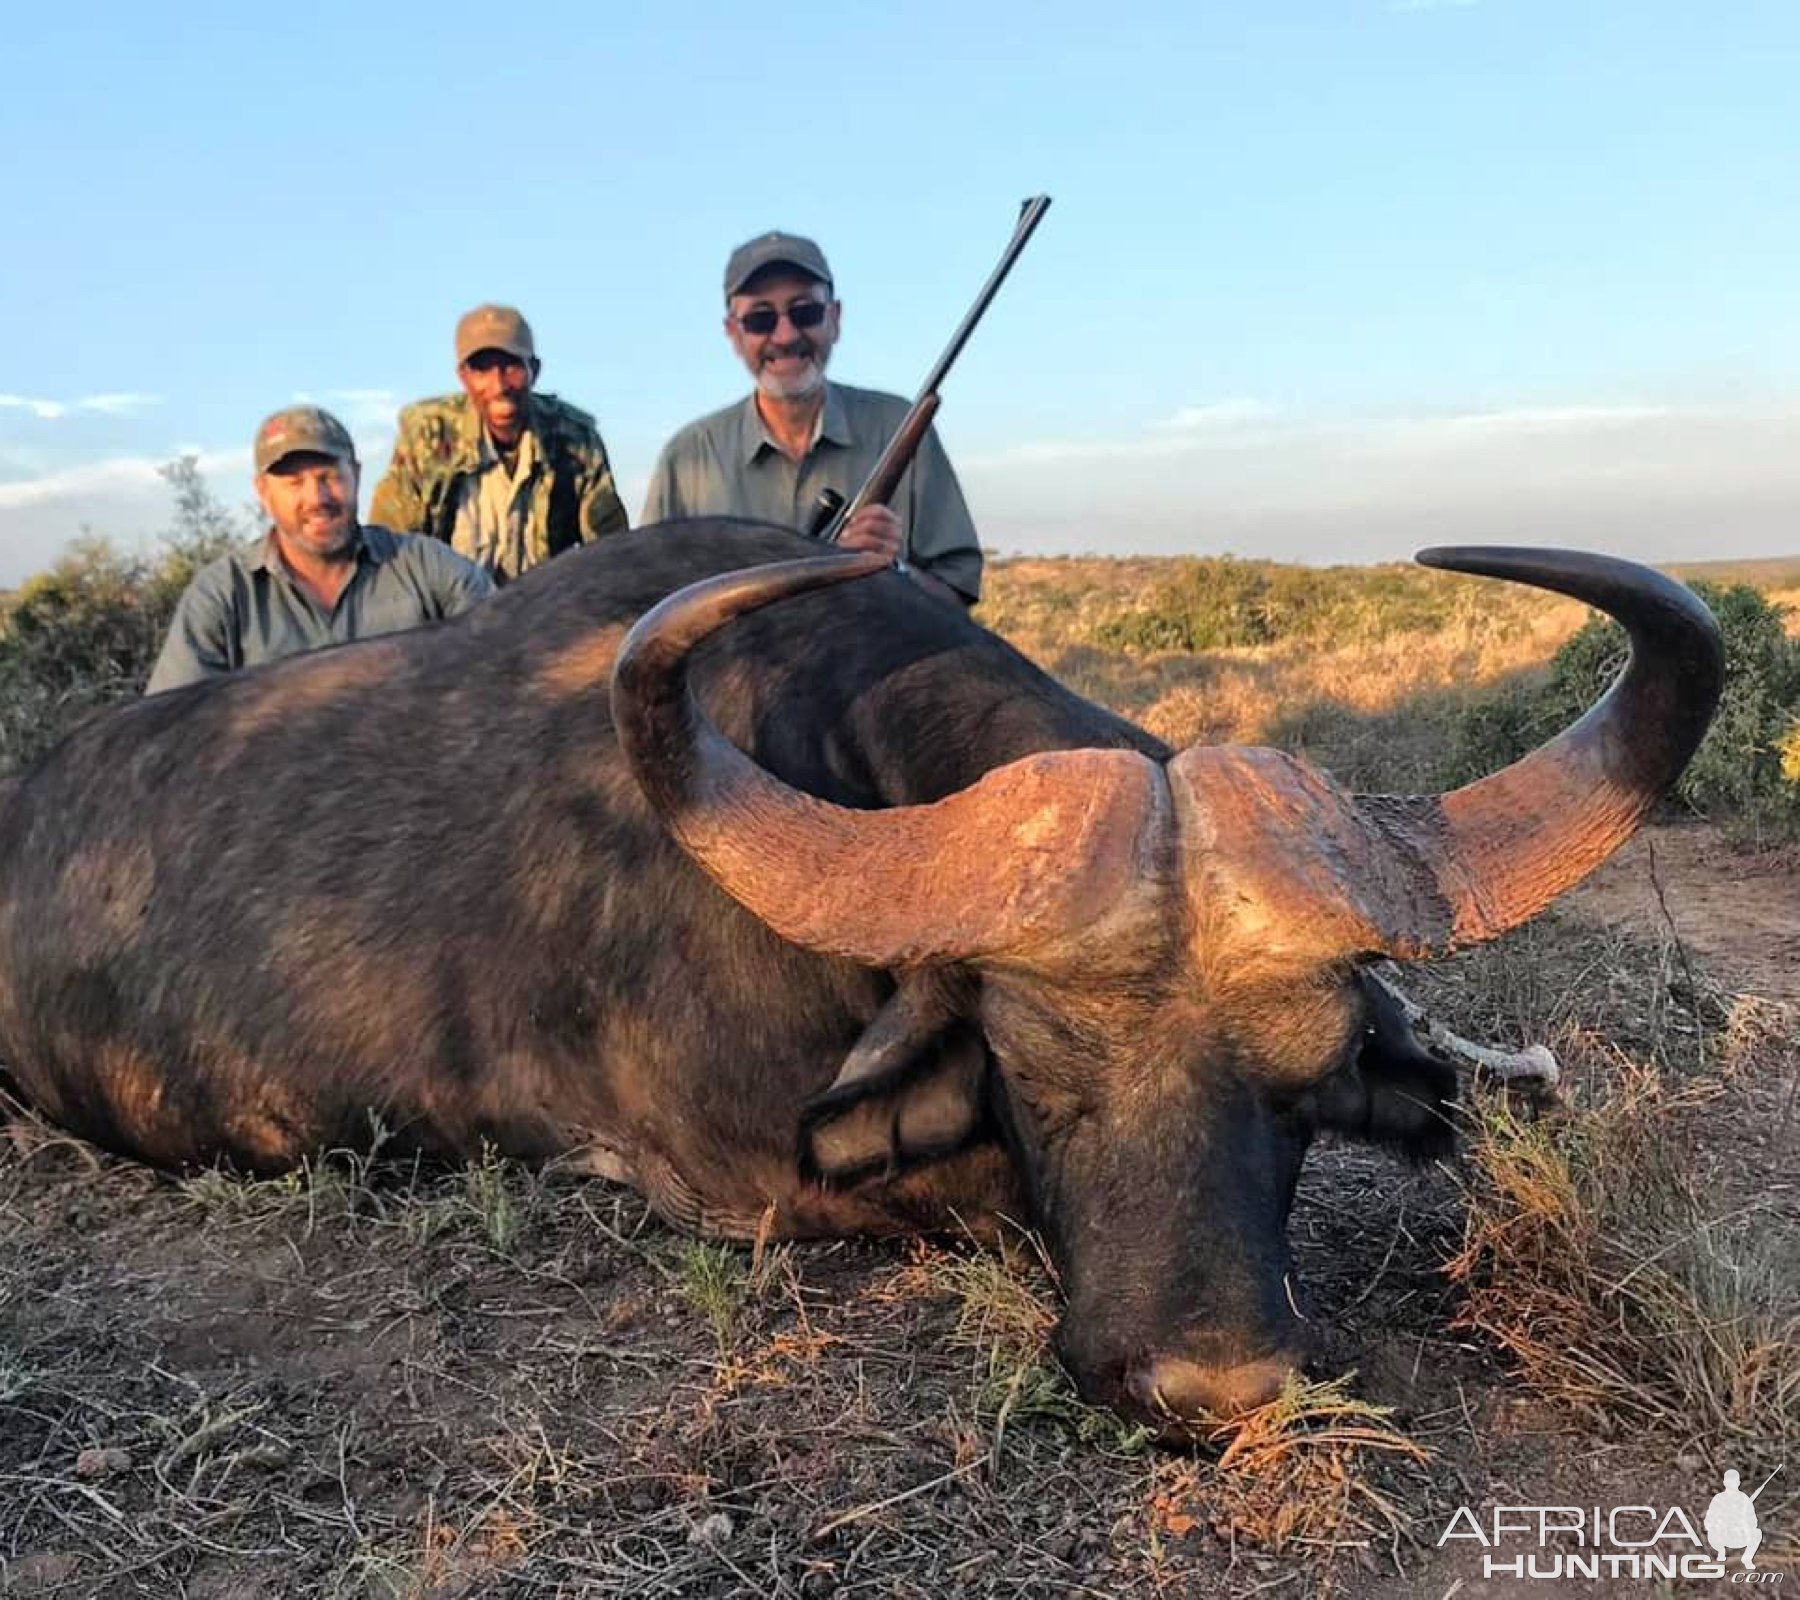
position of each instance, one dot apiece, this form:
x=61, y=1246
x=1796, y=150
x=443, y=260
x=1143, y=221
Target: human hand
x=874, y=528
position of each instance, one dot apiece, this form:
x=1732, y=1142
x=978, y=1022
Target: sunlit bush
x=85, y=634
x=1747, y=769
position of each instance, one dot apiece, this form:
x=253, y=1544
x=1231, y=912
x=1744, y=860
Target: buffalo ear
x=913, y=1090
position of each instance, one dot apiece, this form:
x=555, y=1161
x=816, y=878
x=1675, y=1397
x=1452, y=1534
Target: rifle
x=830, y=513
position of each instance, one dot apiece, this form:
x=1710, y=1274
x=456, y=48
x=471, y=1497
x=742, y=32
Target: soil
x=391, y=1383
x=1737, y=910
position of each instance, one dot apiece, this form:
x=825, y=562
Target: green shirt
x=245, y=608
x=726, y=465
x=438, y=455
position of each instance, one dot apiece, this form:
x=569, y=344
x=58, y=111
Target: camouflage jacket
x=572, y=502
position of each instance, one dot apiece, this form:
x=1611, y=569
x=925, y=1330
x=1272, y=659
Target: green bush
x=1223, y=603
x=85, y=634
x=1735, y=777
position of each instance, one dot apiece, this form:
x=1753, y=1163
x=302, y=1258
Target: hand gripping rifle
x=829, y=511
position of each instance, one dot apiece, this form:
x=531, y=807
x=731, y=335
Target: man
x=770, y=456
x=501, y=473
x=318, y=577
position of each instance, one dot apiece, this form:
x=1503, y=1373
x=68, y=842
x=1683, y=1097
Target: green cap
x=309, y=430
x=494, y=328
x=774, y=250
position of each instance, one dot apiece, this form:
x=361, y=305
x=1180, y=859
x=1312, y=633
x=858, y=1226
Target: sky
x=1323, y=280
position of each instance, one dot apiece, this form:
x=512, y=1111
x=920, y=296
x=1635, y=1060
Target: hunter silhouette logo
x=1731, y=1520
x=1564, y=1543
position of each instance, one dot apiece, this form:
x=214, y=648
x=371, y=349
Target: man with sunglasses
x=502, y=473
x=769, y=457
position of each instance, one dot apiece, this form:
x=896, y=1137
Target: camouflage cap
x=494, y=328
x=297, y=430
x=770, y=250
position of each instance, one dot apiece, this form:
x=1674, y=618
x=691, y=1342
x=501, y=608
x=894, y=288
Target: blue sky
x=1322, y=281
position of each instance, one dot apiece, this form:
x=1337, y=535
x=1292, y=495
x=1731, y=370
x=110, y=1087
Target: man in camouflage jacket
x=503, y=474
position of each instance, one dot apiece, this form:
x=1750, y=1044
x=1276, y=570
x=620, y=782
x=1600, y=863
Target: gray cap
x=494, y=327
x=774, y=250
x=301, y=430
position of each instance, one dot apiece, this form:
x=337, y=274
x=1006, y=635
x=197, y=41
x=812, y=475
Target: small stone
x=713, y=1530
x=98, y=1463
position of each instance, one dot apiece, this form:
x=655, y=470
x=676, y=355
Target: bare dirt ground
x=1737, y=911
x=376, y=1382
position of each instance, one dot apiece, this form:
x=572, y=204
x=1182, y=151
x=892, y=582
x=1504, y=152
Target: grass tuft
x=1587, y=1257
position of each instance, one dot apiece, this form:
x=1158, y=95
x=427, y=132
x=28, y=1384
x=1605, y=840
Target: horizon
x=1323, y=285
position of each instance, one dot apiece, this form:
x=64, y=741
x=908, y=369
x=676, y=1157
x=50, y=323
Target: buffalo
x=835, y=915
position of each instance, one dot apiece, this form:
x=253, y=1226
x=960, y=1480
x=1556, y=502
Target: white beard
x=801, y=386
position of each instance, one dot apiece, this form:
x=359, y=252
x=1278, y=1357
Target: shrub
x=1746, y=772
x=1222, y=603
x=1736, y=774
x=85, y=634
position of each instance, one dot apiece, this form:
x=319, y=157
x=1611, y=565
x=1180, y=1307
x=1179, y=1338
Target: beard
x=326, y=536
x=800, y=385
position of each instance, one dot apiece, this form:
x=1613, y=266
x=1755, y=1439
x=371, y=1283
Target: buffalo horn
x=1018, y=860
x=1499, y=850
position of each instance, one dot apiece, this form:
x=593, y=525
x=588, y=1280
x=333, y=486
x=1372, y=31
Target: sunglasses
x=803, y=314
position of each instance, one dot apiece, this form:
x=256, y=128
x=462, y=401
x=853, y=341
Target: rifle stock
x=878, y=488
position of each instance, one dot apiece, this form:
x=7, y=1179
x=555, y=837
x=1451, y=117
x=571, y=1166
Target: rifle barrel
x=1031, y=213
x=828, y=522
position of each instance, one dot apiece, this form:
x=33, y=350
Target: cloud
x=118, y=476
x=1476, y=429
x=1661, y=482
x=1220, y=416
x=357, y=409
x=114, y=405
x=111, y=405
x=49, y=410
x=1220, y=425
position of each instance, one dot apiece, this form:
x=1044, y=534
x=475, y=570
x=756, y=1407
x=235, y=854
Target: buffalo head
x=1162, y=957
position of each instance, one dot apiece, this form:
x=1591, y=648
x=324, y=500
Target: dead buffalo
x=957, y=942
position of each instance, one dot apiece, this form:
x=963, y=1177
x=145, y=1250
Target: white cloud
x=118, y=475
x=1219, y=425
x=114, y=405
x=1476, y=429
x=1221, y=416
x=111, y=405
x=1660, y=482
x=49, y=410
x=357, y=409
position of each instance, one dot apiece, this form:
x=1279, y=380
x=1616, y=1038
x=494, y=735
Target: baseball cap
x=311, y=430
x=494, y=328
x=774, y=249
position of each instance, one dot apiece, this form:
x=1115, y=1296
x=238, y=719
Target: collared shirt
x=246, y=608
x=727, y=465
x=493, y=511
x=571, y=499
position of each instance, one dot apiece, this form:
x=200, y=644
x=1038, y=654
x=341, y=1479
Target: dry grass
x=1590, y=1258
x=1370, y=704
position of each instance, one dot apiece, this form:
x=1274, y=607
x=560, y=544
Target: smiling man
x=502, y=473
x=770, y=456
x=319, y=576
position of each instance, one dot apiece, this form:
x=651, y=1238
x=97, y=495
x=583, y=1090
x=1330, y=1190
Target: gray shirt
x=245, y=608
x=727, y=465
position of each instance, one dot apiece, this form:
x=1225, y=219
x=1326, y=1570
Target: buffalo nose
x=1171, y=1389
